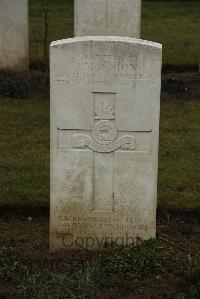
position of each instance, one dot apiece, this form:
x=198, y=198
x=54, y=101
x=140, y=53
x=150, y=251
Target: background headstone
x=107, y=17
x=105, y=99
x=14, y=39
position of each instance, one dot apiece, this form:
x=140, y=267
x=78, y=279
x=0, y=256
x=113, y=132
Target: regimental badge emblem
x=104, y=133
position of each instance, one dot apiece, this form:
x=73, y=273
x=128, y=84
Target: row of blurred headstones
x=92, y=17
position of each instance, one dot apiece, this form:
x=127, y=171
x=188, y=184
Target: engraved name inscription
x=106, y=70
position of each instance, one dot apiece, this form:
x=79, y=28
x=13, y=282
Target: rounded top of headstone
x=106, y=39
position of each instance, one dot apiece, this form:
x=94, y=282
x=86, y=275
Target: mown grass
x=179, y=157
x=24, y=159
x=175, y=24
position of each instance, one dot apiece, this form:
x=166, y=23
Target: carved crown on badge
x=104, y=111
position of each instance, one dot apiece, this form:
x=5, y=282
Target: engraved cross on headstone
x=103, y=141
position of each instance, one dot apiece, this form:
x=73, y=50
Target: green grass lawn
x=24, y=162
x=179, y=156
x=24, y=159
x=175, y=24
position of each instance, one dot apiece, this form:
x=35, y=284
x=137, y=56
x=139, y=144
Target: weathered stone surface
x=108, y=17
x=14, y=39
x=105, y=99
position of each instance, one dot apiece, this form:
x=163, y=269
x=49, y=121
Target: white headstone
x=108, y=17
x=105, y=99
x=14, y=39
